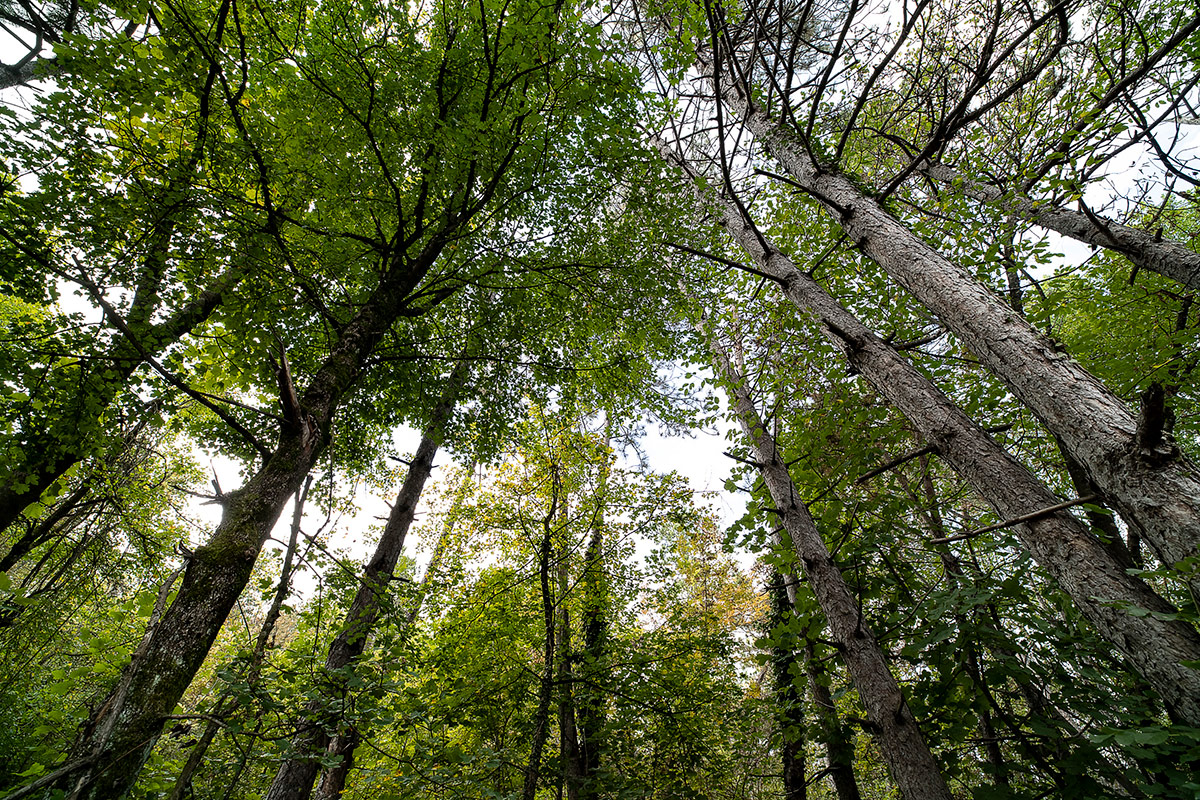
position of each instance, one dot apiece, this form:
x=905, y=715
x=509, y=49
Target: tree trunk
x=572, y=767
x=541, y=719
x=282, y=589
x=1154, y=643
x=294, y=779
x=1154, y=489
x=118, y=738
x=789, y=699
x=592, y=666
x=68, y=434
x=1144, y=250
x=839, y=743
x=331, y=782
x=909, y=760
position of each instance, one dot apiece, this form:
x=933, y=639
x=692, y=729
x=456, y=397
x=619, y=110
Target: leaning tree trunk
x=283, y=588
x=119, y=737
x=1145, y=250
x=1155, y=490
x=294, y=779
x=908, y=758
x=331, y=782
x=1155, y=643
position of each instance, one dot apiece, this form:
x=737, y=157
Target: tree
x=275, y=235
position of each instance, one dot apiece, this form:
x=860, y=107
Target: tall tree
x=296, y=774
x=494, y=160
x=1111, y=598
x=1126, y=456
x=910, y=762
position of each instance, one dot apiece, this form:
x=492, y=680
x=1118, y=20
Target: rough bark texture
x=909, y=760
x=1143, y=249
x=332, y=781
x=295, y=776
x=118, y=738
x=1156, y=492
x=283, y=588
x=1153, y=643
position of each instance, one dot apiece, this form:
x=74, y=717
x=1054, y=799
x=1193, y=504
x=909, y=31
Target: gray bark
x=295, y=777
x=1145, y=250
x=1154, y=489
x=117, y=740
x=909, y=760
x=1153, y=643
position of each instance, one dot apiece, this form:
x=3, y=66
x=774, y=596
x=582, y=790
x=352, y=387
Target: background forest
x=931, y=264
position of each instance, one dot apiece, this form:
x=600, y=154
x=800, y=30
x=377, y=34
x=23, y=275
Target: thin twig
x=1008, y=523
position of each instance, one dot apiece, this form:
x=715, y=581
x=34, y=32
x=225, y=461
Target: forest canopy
x=930, y=265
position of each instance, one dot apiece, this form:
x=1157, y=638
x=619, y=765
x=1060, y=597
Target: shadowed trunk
x=592, y=667
x=789, y=698
x=839, y=742
x=572, y=767
x=294, y=779
x=541, y=719
x=283, y=588
x=119, y=737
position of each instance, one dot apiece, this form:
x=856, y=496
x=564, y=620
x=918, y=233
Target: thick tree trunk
x=1155, y=643
x=1144, y=250
x=283, y=589
x=332, y=781
x=120, y=735
x=1154, y=489
x=294, y=779
x=909, y=760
